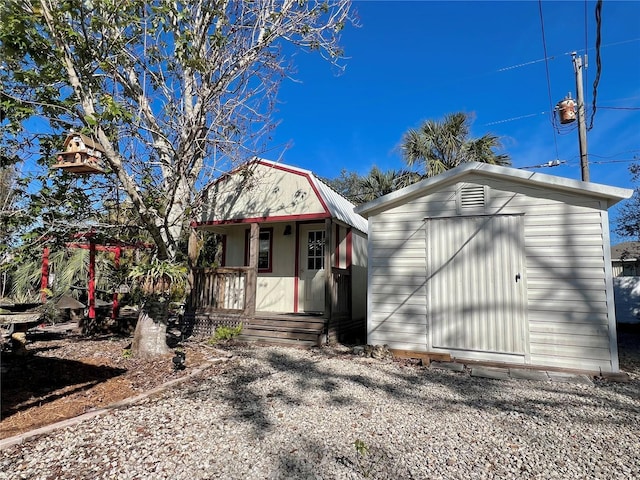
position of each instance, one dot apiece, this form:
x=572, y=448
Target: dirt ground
x=65, y=374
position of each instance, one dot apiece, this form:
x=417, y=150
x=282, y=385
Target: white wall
x=358, y=274
x=627, y=294
x=261, y=191
x=276, y=288
x=568, y=307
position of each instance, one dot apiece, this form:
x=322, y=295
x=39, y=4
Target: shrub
x=224, y=333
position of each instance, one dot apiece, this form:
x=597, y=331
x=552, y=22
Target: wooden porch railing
x=226, y=288
x=220, y=288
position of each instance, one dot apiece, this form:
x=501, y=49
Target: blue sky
x=417, y=60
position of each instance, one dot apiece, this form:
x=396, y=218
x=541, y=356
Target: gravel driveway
x=276, y=413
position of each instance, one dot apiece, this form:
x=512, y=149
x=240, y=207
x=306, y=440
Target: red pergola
x=87, y=242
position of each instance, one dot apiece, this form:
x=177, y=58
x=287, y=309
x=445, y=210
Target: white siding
x=358, y=274
x=397, y=273
x=568, y=306
x=261, y=191
x=565, y=268
x=627, y=299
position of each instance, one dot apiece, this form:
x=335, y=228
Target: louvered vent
x=472, y=197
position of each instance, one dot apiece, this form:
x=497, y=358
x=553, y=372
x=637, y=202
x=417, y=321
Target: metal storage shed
x=495, y=264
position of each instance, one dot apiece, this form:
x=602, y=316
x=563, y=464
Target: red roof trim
x=283, y=218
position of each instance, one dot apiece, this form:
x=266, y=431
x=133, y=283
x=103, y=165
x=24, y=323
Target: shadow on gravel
x=606, y=403
x=370, y=461
x=33, y=380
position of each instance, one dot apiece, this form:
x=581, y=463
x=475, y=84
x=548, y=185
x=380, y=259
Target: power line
x=546, y=64
x=563, y=128
x=619, y=108
x=514, y=118
x=586, y=41
x=550, y=163
x=553, y=57
x=598, y=60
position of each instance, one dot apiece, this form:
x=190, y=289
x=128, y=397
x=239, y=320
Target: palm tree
x=378, y=183
x=160, y=281
x=441, y=146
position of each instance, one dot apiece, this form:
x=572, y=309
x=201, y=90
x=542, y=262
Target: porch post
x=252, y=274
x=193, y=251
x=329, y=291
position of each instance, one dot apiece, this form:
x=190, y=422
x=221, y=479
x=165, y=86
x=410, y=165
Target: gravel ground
x=277, y=413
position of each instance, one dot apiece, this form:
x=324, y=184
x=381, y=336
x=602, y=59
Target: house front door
x=311, y=272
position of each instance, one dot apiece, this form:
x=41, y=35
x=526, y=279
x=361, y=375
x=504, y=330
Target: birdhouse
x=81, y=155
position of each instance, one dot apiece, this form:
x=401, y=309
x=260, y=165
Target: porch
x=226, y=297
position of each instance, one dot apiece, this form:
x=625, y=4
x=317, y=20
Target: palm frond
x=441, y=146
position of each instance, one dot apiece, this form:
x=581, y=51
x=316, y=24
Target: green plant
x=224, y=333
x=160, y=277
x=126, y=353
x=364, y=462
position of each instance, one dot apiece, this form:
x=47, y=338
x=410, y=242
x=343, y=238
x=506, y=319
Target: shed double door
x=476, y=287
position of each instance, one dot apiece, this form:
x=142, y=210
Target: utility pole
x=582, y=124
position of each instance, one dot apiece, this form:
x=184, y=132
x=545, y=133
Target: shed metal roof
x=611, y=194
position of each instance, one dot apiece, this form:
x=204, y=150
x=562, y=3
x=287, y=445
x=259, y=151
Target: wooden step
x=303, y=330
x=286, y=324
x=275, y=334
x=278, y=341
x=283, y=328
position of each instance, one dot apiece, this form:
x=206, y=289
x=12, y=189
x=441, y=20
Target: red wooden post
x=44, y=282
x=92, y=279
x=114, y=306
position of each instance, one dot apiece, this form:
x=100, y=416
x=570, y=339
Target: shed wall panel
x=396, y=282
x=565, y=265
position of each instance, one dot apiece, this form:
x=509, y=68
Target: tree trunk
x=150, y=337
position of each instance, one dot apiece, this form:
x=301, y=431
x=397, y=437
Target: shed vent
x=472, y=197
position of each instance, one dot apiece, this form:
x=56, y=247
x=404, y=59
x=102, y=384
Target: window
x=315, y=250
x=265, y=249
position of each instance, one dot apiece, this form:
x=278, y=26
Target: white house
x=495, y=264
x=308, y=249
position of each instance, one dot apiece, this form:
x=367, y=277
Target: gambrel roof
x=263, y=190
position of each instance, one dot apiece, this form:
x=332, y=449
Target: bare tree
x=175, y=91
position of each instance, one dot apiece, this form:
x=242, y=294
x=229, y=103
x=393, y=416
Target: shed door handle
x=518, y=277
